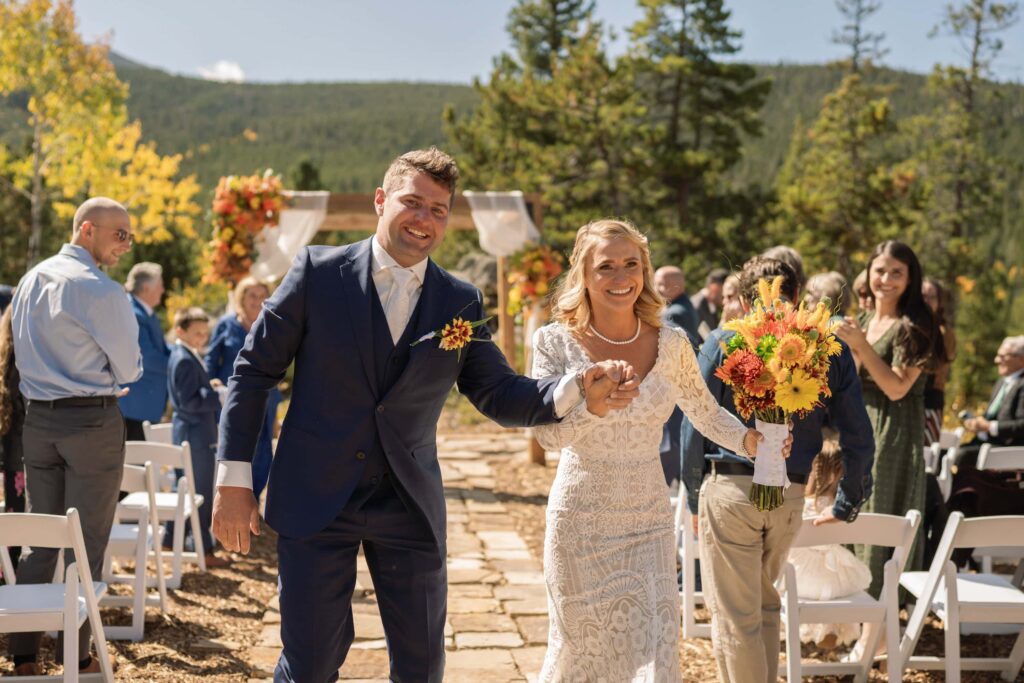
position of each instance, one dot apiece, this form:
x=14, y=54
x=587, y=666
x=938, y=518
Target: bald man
x=75, y=342
x=679, y=312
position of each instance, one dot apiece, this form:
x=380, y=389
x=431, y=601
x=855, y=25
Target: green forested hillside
x=351, y=130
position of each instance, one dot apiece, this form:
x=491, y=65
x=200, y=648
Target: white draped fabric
x=502, y=220
x=278, y=245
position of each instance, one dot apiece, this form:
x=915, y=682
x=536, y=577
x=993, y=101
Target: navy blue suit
x=147, y=397
x=194, y=420
x=357, y=457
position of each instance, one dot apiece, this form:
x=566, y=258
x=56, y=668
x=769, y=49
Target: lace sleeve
x=550, y=360
x=694, y=398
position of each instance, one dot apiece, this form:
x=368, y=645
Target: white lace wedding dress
x=609, y=561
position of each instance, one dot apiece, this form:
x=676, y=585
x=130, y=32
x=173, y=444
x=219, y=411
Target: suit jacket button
x=360, y=455
x=380, y=409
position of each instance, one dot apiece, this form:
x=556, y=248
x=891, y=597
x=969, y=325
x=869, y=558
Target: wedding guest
x=831, y=285
x=708, y=301
x=792, y=258
x=1002, y=423
x=732, y=307
x=146, y=399
x=742, y=549
x=75, y=341
x=12, y=422
x=865, y=302
x=893, y=345
x=6, y=294
x=937, y=297
x=670, y=284
x=194, y=420
x=827, y=572
x=227, y=340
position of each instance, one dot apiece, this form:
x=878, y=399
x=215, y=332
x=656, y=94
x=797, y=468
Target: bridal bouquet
x=777, y=365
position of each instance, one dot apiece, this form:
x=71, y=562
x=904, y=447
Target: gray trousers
x=74, y=457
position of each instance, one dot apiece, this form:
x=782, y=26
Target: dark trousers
x=134, y=430
x=74, y=457
x=318, y=576
x=671, y=446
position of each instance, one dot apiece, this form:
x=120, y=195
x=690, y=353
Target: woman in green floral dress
x=893, y=345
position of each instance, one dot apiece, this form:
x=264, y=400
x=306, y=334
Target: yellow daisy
x=798, y=394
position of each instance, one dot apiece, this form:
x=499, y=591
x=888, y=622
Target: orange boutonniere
x=455, y=334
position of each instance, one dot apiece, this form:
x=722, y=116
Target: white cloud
x=224, y=71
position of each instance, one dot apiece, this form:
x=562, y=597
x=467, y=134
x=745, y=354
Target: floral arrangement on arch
x=531, y=274
x=777, y=365
x=242, y=207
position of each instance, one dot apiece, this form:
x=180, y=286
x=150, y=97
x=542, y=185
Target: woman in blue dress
x=226, y=341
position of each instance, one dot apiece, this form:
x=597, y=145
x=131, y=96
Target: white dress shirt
x=566, y=397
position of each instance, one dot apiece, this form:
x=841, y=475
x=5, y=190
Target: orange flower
x=791, y=349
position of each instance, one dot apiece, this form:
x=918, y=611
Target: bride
x=609, y=556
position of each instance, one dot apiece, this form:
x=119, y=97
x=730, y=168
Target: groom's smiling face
x=412, y=218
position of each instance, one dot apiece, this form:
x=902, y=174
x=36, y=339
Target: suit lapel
x=357, y=282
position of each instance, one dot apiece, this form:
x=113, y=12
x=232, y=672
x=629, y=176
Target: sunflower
x=791, y=349
x=799, y=394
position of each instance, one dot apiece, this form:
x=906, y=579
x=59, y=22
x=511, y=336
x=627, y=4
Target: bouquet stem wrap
x=770, y=479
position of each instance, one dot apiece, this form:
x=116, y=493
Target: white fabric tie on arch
x=502, y=221
x=278, y=245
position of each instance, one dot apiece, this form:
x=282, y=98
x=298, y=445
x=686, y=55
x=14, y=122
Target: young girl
x=827, y=572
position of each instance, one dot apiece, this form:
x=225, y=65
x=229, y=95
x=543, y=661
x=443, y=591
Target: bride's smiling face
x=614, y=276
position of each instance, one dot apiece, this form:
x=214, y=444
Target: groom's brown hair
x=432, y=161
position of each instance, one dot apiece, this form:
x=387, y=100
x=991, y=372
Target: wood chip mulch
x=214, y=617
x=523, y=488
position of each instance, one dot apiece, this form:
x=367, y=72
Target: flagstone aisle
x=497, y=610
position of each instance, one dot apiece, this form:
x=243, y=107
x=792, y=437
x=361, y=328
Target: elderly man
x=75, y=341
x=147, y=398
x=979, y=493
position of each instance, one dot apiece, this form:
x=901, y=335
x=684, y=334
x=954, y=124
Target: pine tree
x=700, y=108
x=543, y=31
x=865, y=46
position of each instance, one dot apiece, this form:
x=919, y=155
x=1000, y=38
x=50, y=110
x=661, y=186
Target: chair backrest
x=41, y=531
x=1001, y=457
x=158, y=433
x=948, y=439
x=141, y=452
x=890, y=531
x=994, y=532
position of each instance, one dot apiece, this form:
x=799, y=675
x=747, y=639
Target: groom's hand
x=609, y=385
x=235, y=514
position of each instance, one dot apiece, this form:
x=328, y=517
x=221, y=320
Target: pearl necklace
x=618, y=343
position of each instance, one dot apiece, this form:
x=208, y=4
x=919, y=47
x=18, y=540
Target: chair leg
x=71, y=625
x=178, y=545
x=197, y=539
x=1016, y=660
x=951, y=625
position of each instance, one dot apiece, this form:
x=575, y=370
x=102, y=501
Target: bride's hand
x=601, y=381
x=628, y=389
x=754, y=437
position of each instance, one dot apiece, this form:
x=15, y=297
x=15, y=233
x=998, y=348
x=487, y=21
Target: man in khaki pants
x=742, y=550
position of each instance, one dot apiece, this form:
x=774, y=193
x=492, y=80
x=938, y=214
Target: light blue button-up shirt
x=74, y=331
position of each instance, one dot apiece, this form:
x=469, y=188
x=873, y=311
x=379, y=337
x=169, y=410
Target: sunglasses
x=121, y=234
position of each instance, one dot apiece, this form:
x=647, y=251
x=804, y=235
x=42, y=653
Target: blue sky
x=455, y=40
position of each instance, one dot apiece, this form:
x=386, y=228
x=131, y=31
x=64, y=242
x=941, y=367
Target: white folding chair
x=1000, y=459
x=139, y=539
x=686, y=547
x=52, y=606
x=933, y=454
x=158, y=433
x=176, y=507
x=890, y=531
x=958, y=598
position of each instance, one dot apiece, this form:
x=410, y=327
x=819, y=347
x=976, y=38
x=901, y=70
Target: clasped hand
x=610, y=385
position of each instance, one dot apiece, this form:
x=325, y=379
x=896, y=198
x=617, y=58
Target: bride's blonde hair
x=571, y=302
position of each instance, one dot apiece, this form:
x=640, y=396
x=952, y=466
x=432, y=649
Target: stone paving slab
x=497, y=624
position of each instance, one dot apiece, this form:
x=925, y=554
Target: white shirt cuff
x=567, y=396
x=993, y=428
x=234, y=473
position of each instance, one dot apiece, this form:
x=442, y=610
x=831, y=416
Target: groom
x=357, y=458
